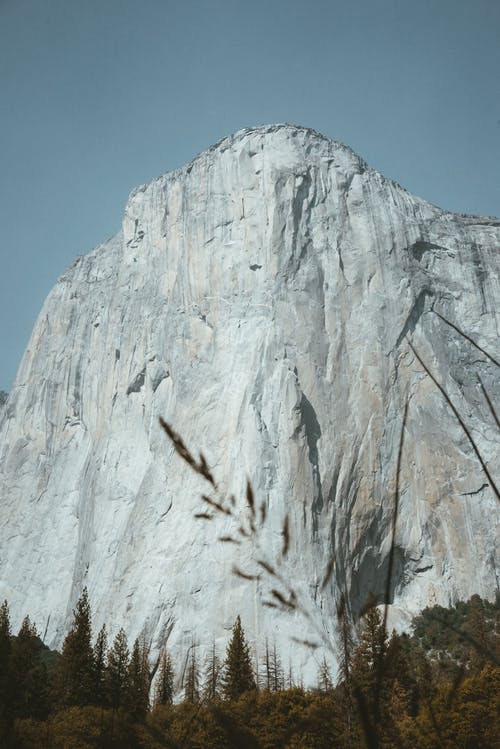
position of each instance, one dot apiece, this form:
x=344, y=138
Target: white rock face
x=259, y=299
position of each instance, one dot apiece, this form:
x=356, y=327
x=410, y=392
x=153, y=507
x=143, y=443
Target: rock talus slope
x=260, y=299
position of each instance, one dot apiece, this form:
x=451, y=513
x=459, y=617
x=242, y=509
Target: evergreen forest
x=435, y=687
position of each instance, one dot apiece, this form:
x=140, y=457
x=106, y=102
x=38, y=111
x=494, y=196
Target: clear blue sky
x=98, y=96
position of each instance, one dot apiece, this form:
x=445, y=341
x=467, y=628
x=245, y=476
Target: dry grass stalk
x=465, y=429
x=249, y=523
x=286, y=536
x=489, y=402
x=285, y=598
x=468, y=338
x=200, y=466
x=328, y=573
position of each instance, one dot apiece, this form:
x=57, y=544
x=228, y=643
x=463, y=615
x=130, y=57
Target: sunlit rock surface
x=260, y=299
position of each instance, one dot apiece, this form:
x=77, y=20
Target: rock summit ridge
x=261, y=299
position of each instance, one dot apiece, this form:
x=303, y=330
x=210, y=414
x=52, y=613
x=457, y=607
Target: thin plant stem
x=460, y=421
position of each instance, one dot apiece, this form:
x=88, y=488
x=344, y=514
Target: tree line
x=436, y=687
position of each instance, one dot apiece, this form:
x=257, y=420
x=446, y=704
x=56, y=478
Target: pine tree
x=400, y=667
x=345, y=661
x=211, y=682
x=29, y=683
x=100, y=653
x=164, y=686
x=137, y=699
x=116, y=675
x=5, y=635
x=192, y=677
x=325, y=682
x=266, y=680
x=273, y=677
x=368, y=665
x=476, y=627
x=5, y=676
x=277, y=674
x=238, y=673
x=74, y=677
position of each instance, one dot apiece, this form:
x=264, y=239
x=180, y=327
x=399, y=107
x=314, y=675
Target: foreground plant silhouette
x=248, y=522
x=421, y=706
x=250, y=519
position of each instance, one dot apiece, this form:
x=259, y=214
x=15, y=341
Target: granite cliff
x=261, y=299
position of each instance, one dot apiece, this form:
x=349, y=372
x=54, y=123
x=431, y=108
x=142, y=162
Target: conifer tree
x=345, y=660
x=266, y=679
x=476, y=627
x=325, y=682
x=117, y=671
x=277, y=674
x=5, y=676
x=100, y=654
x=238, y=674
x=5, y=635
x=368, y=665
x=192, y=677
x=164, y=686
x=74, y=677
x=273, y=677
x=211, y=682
x=28, y=673
x=400, y=667
x=137, y=699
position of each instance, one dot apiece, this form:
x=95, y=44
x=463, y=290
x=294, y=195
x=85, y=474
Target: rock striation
x=261, y=299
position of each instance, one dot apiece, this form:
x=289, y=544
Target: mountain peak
x=261, y=299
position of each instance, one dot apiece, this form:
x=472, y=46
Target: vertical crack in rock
x=310, y=424
x=480, y=272
x=301, y=204
x=343, y=545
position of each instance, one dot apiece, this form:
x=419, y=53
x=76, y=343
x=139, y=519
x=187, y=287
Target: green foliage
x=78, y=728
x=99, y=667
x=212, y=677
x=464, y=637
x=402, y=669
x=138, y=682
x=368, y=667
x=29, y=679
x=191, y=679
x=5, y=687
x=325, y=681
x=74, y=676
x=164, y=685
x=465, y=716
x=238, y=676
x=401, y=696
x=117, y=671
x=272, y=675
